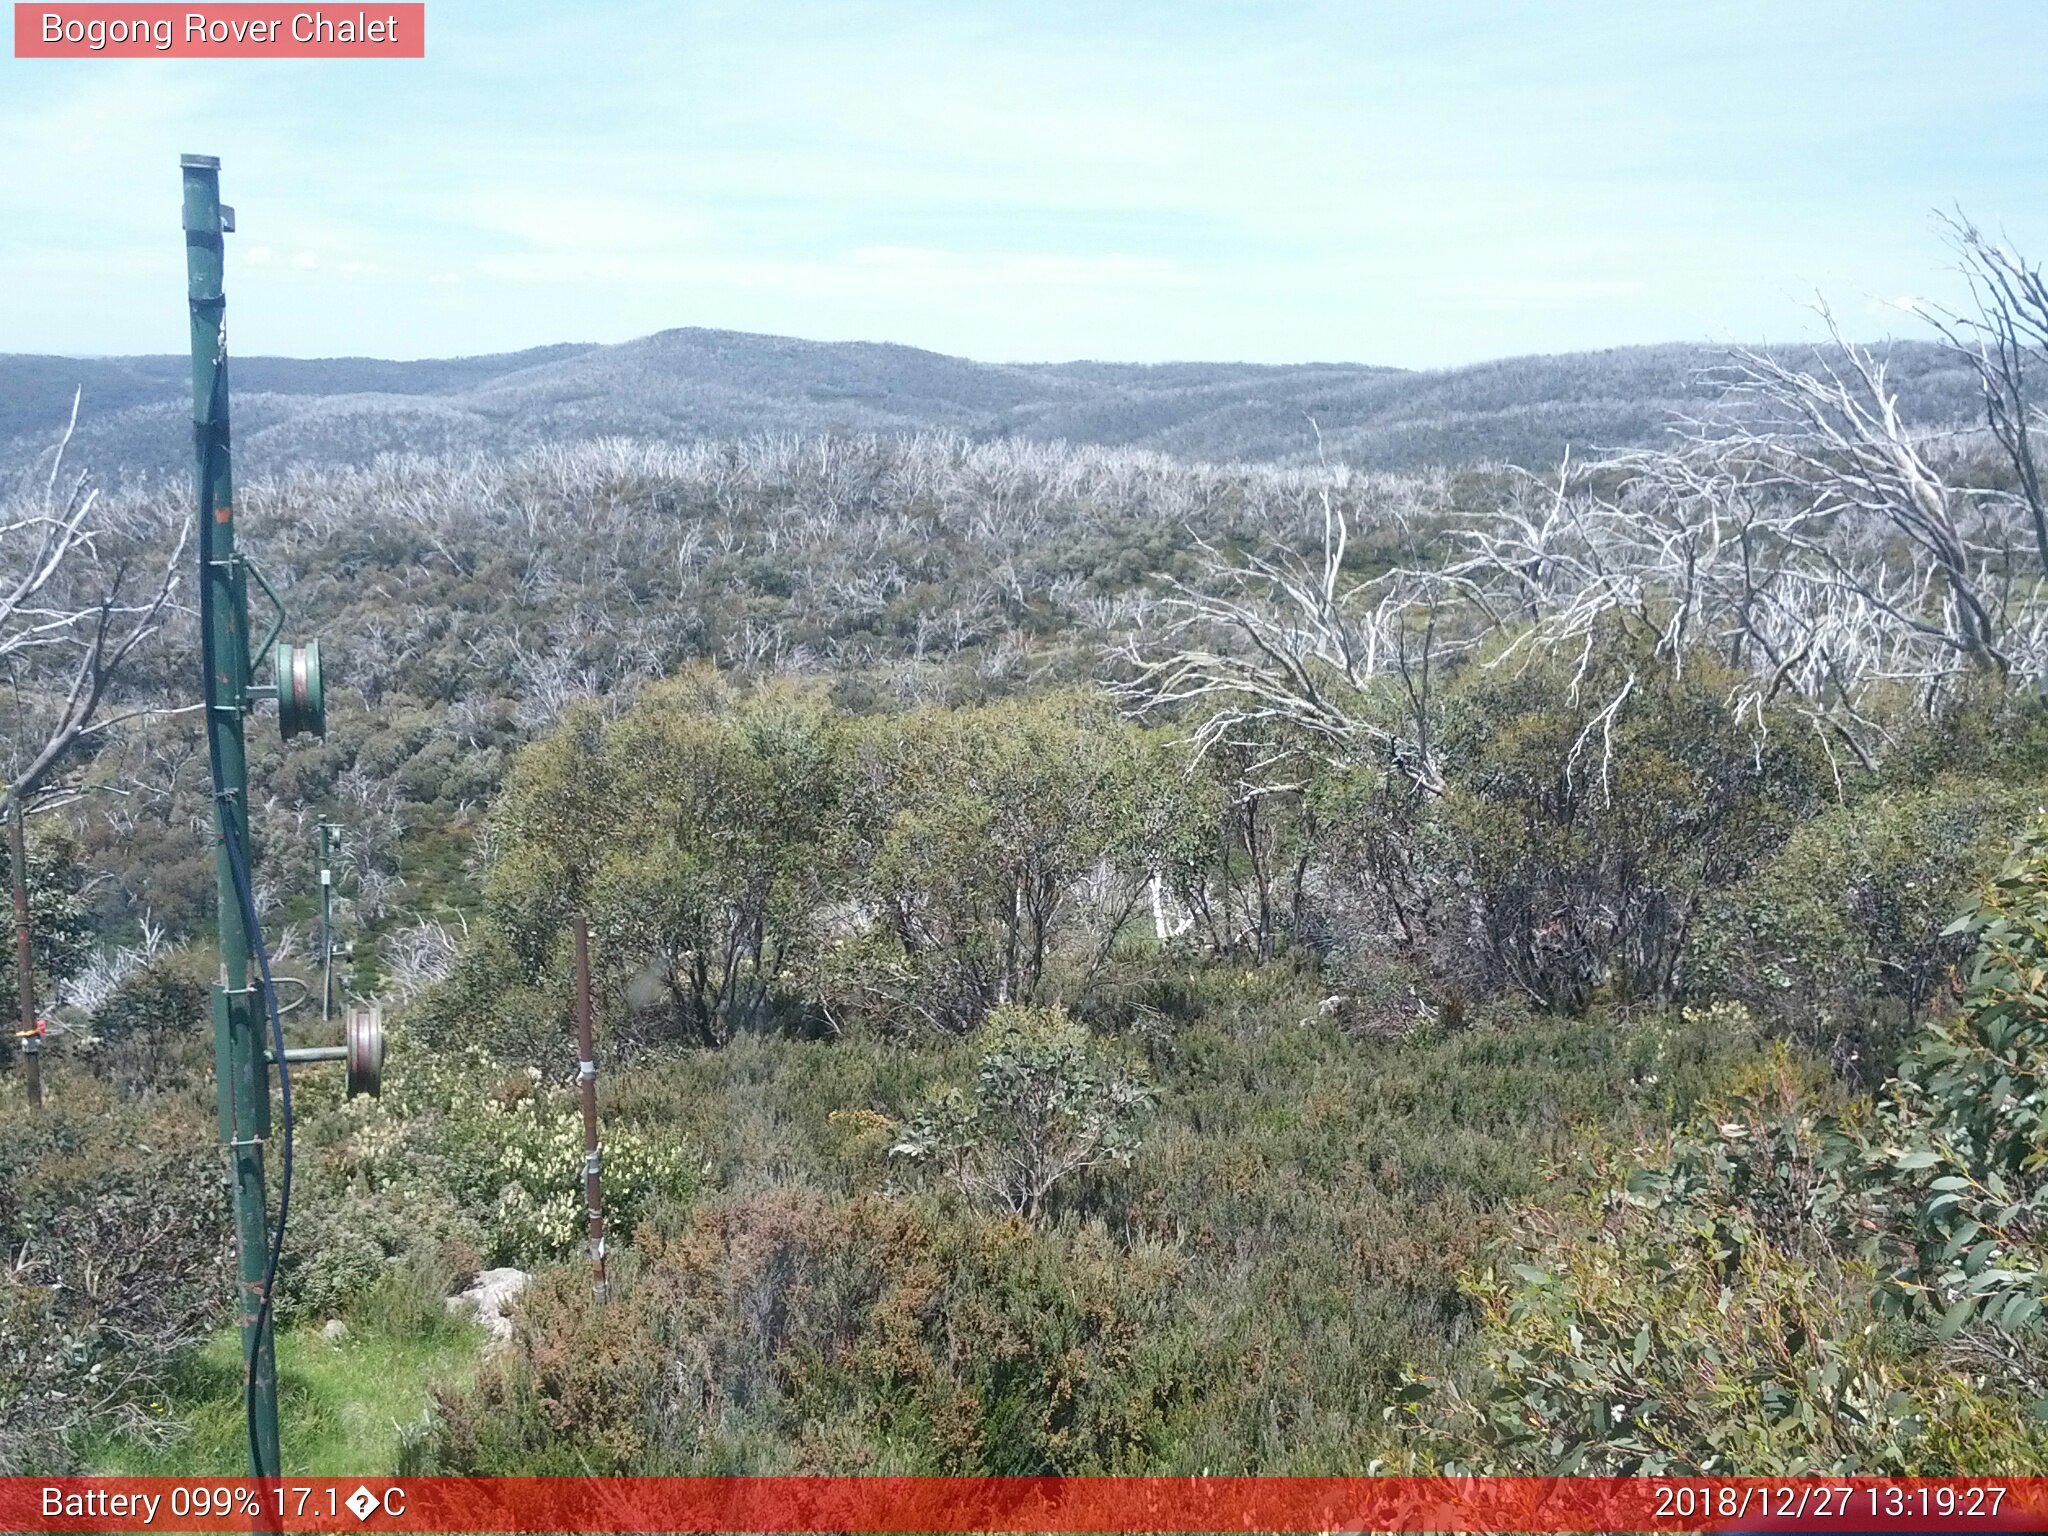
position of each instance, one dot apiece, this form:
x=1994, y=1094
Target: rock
x=489, y=1300
x=334, y=1331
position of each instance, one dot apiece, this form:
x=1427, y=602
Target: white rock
x=334, y=1331
x=489, y=1301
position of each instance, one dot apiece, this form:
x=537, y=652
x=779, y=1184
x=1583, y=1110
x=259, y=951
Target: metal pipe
x=24, y=967
x=586, y=1077
x=239, y=1056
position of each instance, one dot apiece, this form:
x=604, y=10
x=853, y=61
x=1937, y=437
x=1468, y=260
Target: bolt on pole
x=244, y=1081
x=24, y=968
x=586, y=1077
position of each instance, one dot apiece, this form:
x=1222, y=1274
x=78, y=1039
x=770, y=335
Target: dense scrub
x=1789, y=1286
x=1290, y=1067
x=759, y=857
x=466, y=602
x=1286, y=1240
x=115, y=1226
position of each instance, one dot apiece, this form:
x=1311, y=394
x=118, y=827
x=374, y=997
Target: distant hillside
x=686, y=384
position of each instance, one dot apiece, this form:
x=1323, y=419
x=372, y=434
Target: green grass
x=343, y=1410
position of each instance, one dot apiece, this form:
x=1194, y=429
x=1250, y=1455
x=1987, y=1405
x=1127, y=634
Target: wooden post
x=24, y=967
x=586, y=1077
x=326, y=926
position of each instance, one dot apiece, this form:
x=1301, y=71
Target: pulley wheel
x=301, y=701
x=365, y=1043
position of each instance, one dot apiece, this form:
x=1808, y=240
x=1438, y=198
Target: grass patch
x=344, y=1410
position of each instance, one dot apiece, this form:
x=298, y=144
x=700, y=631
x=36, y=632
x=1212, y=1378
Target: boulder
x=489, y=1300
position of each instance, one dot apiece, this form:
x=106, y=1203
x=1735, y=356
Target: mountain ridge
x=692, y=383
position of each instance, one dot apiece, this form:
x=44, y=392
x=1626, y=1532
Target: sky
x=1416, y=184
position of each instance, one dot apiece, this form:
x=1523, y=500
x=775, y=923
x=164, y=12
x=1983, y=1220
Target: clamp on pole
x=262, y=690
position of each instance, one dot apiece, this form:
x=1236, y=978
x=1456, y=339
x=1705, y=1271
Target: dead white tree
x=1803, y=530
x=73, y=613
x=1275, y=649
x=2004, y=339
x=420, y=954
x=1877, y=516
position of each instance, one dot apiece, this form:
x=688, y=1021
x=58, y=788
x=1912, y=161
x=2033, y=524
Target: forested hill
x=693, y=384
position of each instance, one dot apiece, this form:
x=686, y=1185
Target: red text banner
x=108, y=30
x=1079, y=1504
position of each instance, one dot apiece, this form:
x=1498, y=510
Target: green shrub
x=1242, y=1298
x=971, y=835
x=1780, y=1290
x=1706, y=1313
x=754, y=857
x=1957, y=1147
x=350, y=1249
x=1843, y=937
x=785, y=1332
x=530, y=1151
x=1588, y=845
x=471, y=1157
x=113, y=1216
x=691, y=831
x=60, y=922
x=159, y=998
x=1048, y=1103
x=489, y=1006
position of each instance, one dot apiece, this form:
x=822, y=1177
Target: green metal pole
x=244, y=1083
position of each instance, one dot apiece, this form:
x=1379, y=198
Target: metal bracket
x=263, y=690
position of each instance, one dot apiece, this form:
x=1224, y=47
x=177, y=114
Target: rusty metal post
x=586, y=1077
x=24, y=967
x=326, y=924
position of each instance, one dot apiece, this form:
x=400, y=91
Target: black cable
x=238, y=867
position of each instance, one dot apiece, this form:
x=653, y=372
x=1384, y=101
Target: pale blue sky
x=1418, y=183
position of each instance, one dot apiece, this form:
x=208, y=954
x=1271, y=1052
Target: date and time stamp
x=1717, y=1505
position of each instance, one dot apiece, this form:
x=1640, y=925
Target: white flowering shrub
x=508, y=1154
x=538, y=1168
